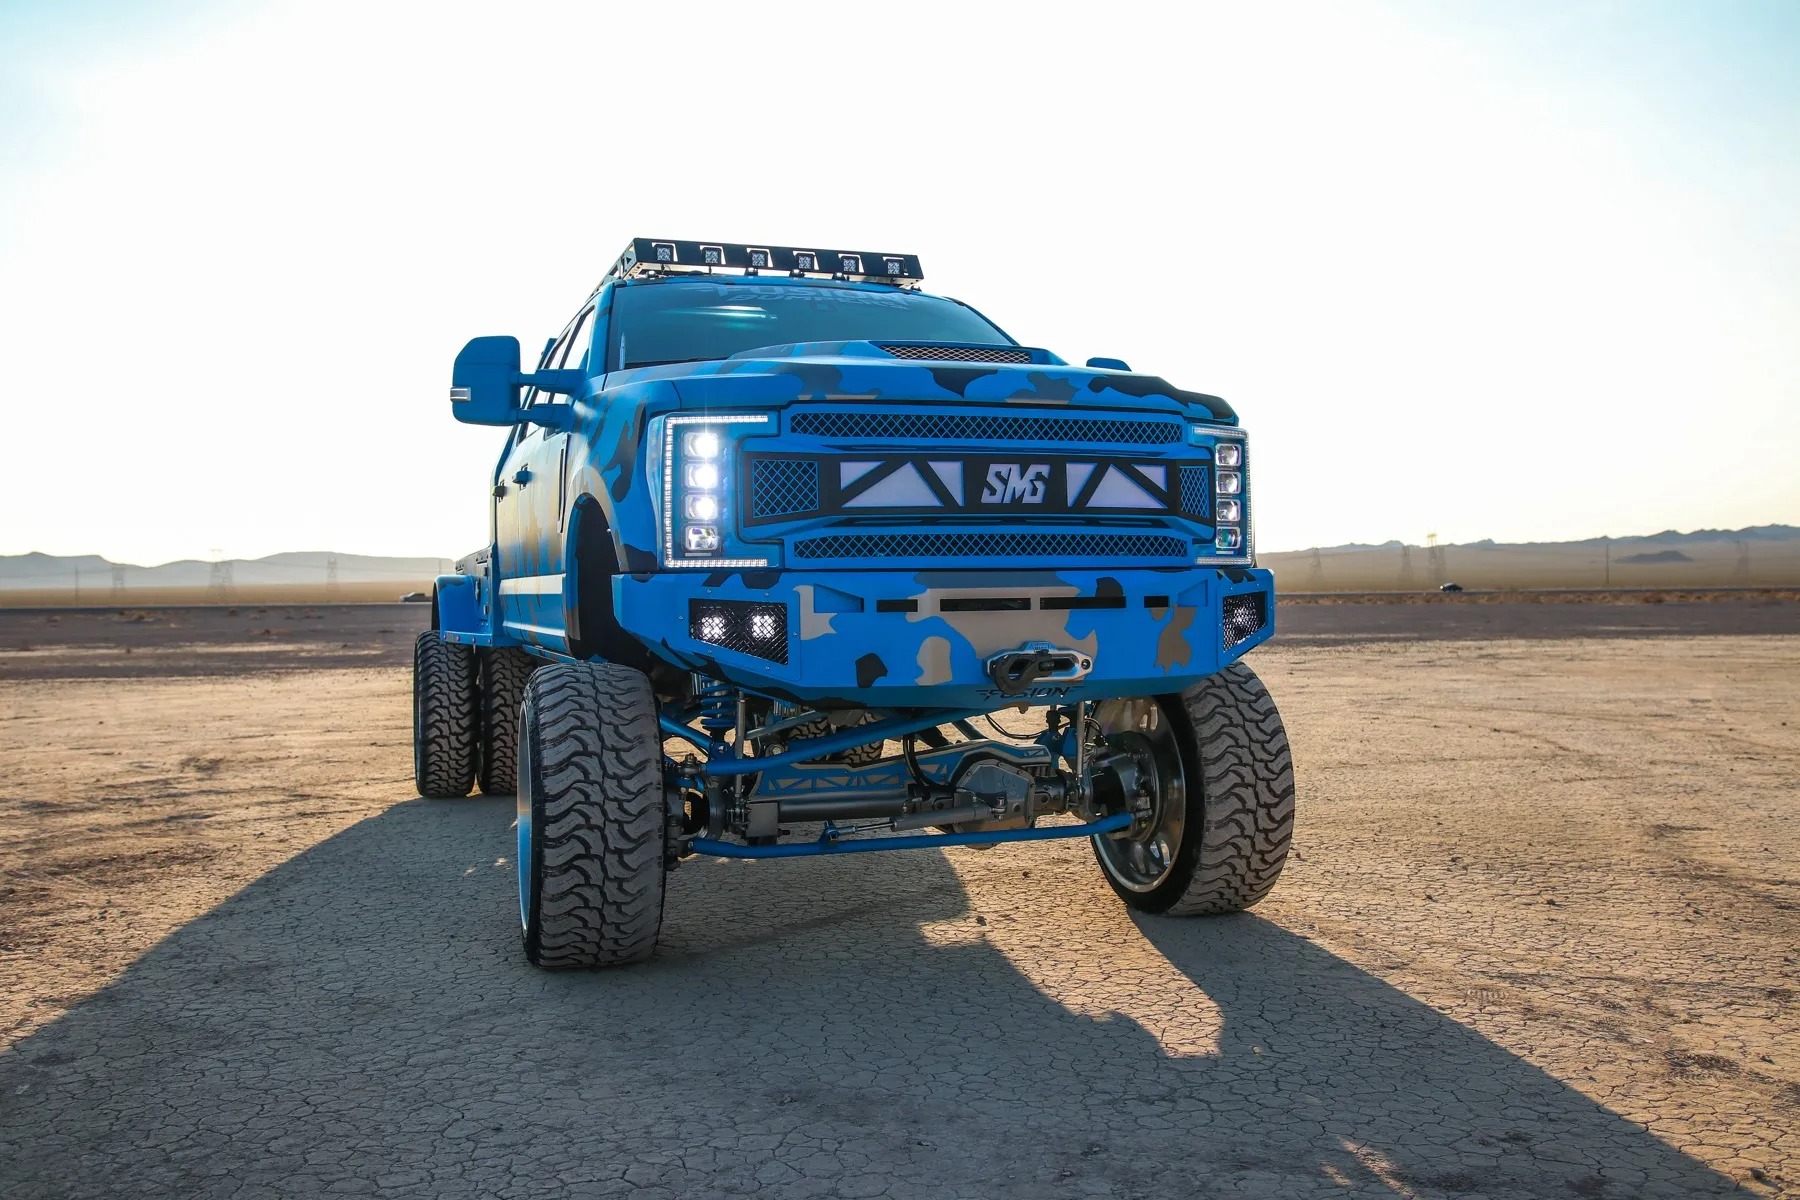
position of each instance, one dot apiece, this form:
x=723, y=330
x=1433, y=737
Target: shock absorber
x=717, y=706
x=719, y=711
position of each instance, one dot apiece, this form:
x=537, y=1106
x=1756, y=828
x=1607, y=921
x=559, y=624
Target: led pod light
x=696, y=478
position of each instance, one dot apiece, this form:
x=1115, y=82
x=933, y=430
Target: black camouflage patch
x=958, y=379
x=869, y=668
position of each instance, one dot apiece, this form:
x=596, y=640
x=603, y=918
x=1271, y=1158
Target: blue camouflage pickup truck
x=790, y=557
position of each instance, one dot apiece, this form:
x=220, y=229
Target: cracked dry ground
x=1538, y=940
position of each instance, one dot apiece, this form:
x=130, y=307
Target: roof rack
x=648, y=258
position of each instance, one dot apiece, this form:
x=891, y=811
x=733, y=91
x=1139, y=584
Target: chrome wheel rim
x=1149, y=780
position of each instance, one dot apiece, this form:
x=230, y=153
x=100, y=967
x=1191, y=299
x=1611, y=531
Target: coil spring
x=717, y=705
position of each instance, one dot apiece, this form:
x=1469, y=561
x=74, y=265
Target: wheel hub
x=1140, y=773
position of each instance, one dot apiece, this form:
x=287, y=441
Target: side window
x=574, y=350
x=552, y=356
x=572, y=344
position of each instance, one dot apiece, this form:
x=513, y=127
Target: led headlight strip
x=701, y=517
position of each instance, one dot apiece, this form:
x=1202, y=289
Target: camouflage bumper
x=927, y=639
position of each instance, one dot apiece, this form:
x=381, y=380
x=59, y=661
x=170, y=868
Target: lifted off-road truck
x=777, y=537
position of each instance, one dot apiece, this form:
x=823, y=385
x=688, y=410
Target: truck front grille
x=781, y=487
x=1196, y=492
x=995, y=544
x=997, y=427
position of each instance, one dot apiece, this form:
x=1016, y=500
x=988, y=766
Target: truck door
x=530, y=518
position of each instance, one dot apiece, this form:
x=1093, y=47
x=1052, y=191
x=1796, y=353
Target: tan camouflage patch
x=1173, y=649
x=812, y=624
x=990, y=633
x=934, y=661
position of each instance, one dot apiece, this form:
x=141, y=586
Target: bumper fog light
x=746, y=626
x=1242, y=618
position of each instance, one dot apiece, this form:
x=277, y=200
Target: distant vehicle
x=1451, y=587
x=782, y=506
x=415, y=598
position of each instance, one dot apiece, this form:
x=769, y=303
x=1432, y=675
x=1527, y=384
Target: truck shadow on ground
x=360, y=1018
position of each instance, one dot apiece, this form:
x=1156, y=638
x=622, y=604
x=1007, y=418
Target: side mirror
x=1108, y=364
x=484, y=384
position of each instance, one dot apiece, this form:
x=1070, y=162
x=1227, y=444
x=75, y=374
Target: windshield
x=683, y=321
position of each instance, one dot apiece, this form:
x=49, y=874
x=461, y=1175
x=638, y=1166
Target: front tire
x=1222, y=810
x=444, y=717
x=592, y=820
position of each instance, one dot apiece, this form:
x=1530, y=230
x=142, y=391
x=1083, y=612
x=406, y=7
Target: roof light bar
x=646, y=257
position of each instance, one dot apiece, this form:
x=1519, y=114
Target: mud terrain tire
x=444, y=717
x=591, y=817
x=1239, y=810
x=504, y=671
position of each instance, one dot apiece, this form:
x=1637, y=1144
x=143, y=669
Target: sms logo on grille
x=1009, y=482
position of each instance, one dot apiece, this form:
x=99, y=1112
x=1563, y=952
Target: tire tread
x=445, y=720
x=598, y=798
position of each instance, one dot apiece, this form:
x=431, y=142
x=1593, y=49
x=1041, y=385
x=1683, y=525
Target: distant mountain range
x=1668, y=537
x=24, y=571
x=27, y=571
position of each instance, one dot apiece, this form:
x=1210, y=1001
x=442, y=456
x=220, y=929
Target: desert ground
x=1538, y=938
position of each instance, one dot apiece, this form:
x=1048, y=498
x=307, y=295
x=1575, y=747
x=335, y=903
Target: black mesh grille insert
x=747, y=626
x=781, y=487
x=960, y=353
x=1196, y=492
x=997, y=544
x=1243, y=616
x=930, y=426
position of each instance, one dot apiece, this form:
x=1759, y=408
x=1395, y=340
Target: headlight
x=1230, y=534
x=698, y=463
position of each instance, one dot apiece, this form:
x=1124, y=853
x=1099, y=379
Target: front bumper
x=923, y=639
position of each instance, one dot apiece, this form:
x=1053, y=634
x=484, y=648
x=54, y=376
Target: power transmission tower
x=1606, y=543
x=219, y=589
x=1406, y=567
x=1315, y=574
x=1740, y=572
x=331, y=577
x=1434, y=560
x=78, y=585
x=118, y=582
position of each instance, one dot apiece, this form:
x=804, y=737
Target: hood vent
x=999, y=354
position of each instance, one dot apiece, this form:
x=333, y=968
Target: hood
x=915, y=371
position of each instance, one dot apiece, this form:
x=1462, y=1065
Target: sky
x=1526, y=271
